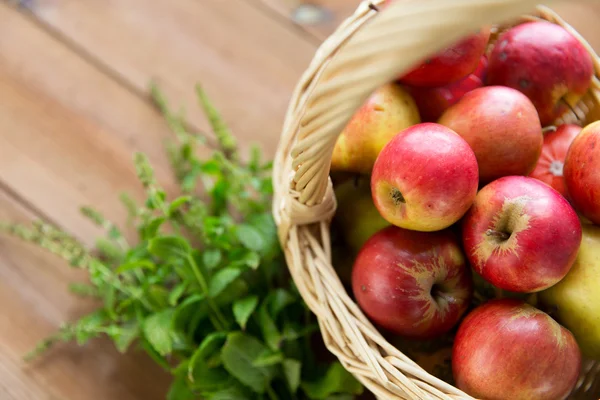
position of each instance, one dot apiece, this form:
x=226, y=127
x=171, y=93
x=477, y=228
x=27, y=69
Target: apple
x=521, y=235
x=503, y=128
x=451, y=64
x=508, y=349
x=549, y=168
x=357, y=218
x=582, y=167
x=545, y=62
x=575, y=300
x=386, y=112
x=432, y=102
x=414, y=284
x=425, y=178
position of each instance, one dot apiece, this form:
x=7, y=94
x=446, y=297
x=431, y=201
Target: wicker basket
x=368, y=50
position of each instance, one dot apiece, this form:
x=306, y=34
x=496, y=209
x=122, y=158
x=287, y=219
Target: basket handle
x=390, y=43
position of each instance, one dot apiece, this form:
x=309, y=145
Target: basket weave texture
x=369, y=49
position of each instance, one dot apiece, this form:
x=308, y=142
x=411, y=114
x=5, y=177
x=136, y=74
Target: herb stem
x=221, y=322
x=271, y=393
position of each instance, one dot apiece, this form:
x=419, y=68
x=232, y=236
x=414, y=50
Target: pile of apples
x=457, y=178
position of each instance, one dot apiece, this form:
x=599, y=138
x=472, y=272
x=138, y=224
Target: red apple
x=415, y=284
x=451, y=64
x=549, y=168
x=432, y=102
x=545, y=62
x=425, y=178
x=521, y=235
x=503, y=128
x=508, y=349
x=582, y=172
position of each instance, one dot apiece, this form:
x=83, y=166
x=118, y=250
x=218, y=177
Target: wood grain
x=248, y=62
x=68, y=130
x=327, y=14
x=35, y=301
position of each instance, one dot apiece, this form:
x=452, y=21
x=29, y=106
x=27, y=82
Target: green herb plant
x=204, y=291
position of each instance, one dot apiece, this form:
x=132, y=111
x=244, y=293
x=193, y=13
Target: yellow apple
x=575, y=300
x=389, y=110
x=356, y=217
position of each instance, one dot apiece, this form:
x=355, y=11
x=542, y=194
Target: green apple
x=355, y=221
x=575, y=300
x=388, y=110
x=357, y=217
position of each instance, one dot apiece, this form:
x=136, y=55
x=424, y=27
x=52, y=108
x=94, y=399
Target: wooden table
x=74, y=80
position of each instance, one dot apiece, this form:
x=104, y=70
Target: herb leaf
x=221, y=280
x=239, y=352
x=243, y=309
x=211, y=258
x=250, y=237
x=336, y=380
x=157, y=330
x=292, y=370
x=167, y=247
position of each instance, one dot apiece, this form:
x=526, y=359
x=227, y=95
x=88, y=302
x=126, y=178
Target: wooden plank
x=68, y=130
x=318, y=18
x=34, y=302
x=248, y=61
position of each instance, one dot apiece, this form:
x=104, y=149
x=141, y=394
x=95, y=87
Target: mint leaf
x=294, y=330
x=250, y=237
x=157, y=330
x=151, y=228
x=221, y=280
x=209, y=346
x=207, y=380
x=265, y=224
x=268, y=358
x=136, y=264
x=167, y=247
x=176, y=293
x=180, y=390
x=158, y=296
x=243, y=309
x=280, y=299
x=249, y=259
x=231, y=393
x=292, y=370
x=177, y=204
x=239, y=352
x=269, y=330
x=211, y=258
x=337, y=380
x=124, y=336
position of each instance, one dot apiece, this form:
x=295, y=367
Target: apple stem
x=498, y=234
x=397, y=196
x=550, y=128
